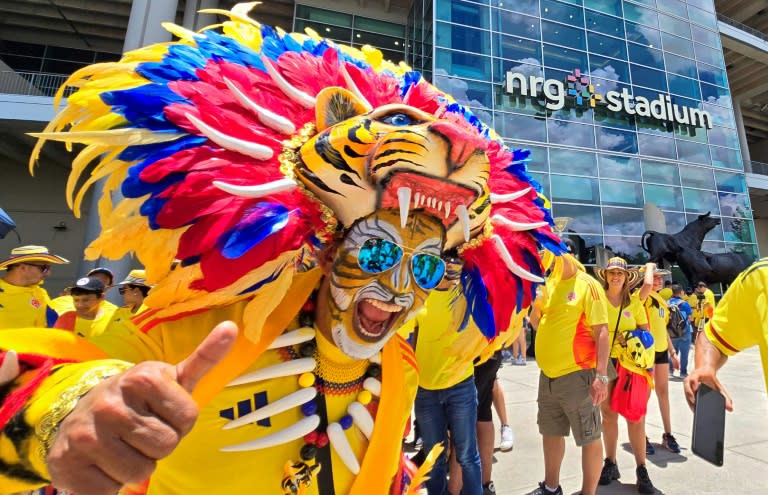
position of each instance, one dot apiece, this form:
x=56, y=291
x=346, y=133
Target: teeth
x=422, y=200
x=416, y=199
x=463, y=215
x=439, y=205
x=388, y=307
x=447, y=209
x=404, y=197
x=432, y=202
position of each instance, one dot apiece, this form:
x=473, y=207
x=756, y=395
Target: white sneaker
x=507, y=439
x=520, y=361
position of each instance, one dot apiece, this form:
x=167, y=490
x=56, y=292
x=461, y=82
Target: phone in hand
x=708, y=440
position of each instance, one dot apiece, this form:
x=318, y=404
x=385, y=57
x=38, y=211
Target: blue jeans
x=682, y=345
x=454, y=409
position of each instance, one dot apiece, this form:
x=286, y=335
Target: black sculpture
x=662, y=247
x=699, y=266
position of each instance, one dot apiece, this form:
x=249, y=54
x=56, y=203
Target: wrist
x=602, y=378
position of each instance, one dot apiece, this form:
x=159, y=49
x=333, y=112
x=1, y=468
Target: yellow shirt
x=666, y=293
x=657, y=313
x=632, y=316
x=741, y=317
x=22, y=307
x=564, y=339
x=693, y=300
x=87, y=328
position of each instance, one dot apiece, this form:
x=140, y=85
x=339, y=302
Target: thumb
x=207, y=355
x=9, y=369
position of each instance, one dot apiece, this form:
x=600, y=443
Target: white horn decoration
x=256, y=191
x=362, y=418
x=267, y=117
x=518, y=226
x=254, y=150
x=511, y=265
x=506, y=198
x=353, y=87
x=341, y=445
x=463, y=214
x=372, y=385
x=404, y=198
x=289, y=434
x=295, y=94
x=293, y=337
x=288, y=368
x=288, y=402
x=9, y=370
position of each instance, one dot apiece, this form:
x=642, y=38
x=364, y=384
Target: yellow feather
x=246, y=34
x=116, y=167
x=82, y=160
x=232, y=15
x=180, y=32
x=113, y=137
x=422, y=474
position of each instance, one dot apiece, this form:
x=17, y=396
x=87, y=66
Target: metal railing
x=743, y=27
x=759, y=167
x=32, y=83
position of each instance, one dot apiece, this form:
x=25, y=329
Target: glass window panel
x=738, y=230
x=572, y=162
x=706, y=19
x=734, y=205
x=690, y=151
x=584, y=219
x=683, y=86
x=712, y=75
x=676, y=7
x=703, y=4
x=517, y=49
x=650, y=78
x=701, y=178
x=697, y=201
x=660, y=172
x=574, y=114
x=728, y=182
x=720, y=116
x=523, y=6
x=722, y=136
x=713, y=247
x=664, y=197
x=563, y=58
x=604, y=24
x=680, y=66
x=560, y=34
x=726, y=158
x=689, y=133
x=605, y=45
x=641, y=15
x=675, y=221
x=463, y=38
x=521, y=25
x=323, y=16
x=467, y=13
x=606, y=6
x=515, y=126
x=537, y=160
x=619, y=167
x=383, y=27
x=623, y=221
x=649, y=3
x=461, y=64
x=645, y=55
x=656, y=146
x=711, y=56
x=543, y=180
x=568, y=14
x=627, y=247
x=574, y=189
x=620, y=120
x=585, y=246
x=673, y=25
x=616, y=140
x=677, y=45
x=705, y=36
x=518, y=103
x=747, y=249
x=621, y=193
x=570, y=133
x=379, y=41
x=608, y=68
x=336, y=33
x=715, y=235
x=643, y=34
x=469, y=93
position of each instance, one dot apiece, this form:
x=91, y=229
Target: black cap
x=89, y=284
x=105, y=271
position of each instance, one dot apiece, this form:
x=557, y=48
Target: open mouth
x=374, y=318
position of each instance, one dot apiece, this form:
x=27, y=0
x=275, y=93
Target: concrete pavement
x=746, y=439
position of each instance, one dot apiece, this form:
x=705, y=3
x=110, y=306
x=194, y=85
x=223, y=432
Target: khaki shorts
x=565, y=405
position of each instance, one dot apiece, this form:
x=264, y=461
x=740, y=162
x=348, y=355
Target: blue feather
x=144, y=106
x=260, y=222
x=150, y=208
x=478, y=305
x=262, y=283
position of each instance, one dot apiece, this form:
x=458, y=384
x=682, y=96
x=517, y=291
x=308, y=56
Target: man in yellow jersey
x=90, y=316
x=740, y=321
x=703, y=303
x=64, y=303
x=23, y=302
x=572, y=350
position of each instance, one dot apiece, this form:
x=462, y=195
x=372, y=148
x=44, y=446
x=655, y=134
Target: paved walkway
x=746, y=439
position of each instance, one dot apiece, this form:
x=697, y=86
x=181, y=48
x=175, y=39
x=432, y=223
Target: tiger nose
x=462, y=143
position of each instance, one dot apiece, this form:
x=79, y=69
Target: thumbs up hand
x=9, y=368
x=123, y=426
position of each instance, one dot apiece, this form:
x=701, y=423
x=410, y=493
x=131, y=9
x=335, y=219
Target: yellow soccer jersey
x=632, y=316
x=740, y=320
x=657, y=313
x=22, y=307
x=564, y=339
x=87, y=328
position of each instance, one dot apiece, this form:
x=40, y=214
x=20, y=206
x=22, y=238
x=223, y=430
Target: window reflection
x=583, y=190
x=728, y=182
x=623, y=221
x=604, y=24
x=584, y=219
x=461, y=64
x=569, y=14
x=463, y=13
x=564, y=58
x=573, y=162
x=619, y=167
x=621, y=193
x=690, y=151
x=605, y=45
x=660, y=172
x=665, y=197
x=516, y=126
x=586, y=245
x=616, y=140
x=677, y=45
x=675, y=221
x=627, y=247
x=521, y=25
x=573, y=134
x=738, y=230
x=734, y=205
x=656, y=146
x=543, y=180
x=560, y=34
x=698, y=177
x=697, y=201
x=726, y=158
x=469, y=93
x=680, y=65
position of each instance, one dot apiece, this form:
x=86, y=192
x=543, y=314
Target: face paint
x=365, y=308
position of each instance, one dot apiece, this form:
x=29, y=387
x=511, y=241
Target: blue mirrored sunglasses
x=378, y=255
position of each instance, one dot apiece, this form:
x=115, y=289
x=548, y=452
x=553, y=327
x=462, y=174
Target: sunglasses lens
x=378, y=255
x=428, y=270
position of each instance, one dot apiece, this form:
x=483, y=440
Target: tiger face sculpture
x=395, y=156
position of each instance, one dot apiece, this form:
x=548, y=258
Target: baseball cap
x=105, y=271
x=89, y=284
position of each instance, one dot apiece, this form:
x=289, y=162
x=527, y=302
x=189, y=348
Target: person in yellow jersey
x=657, y=310
x=572, y=349
x=23, y=300
x=90, y=317
x=702, y=302
x=64, y=303
x=134, y=289
x=740, y=321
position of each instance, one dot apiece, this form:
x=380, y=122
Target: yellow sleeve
x=641, y=317
x=595, y=306
x=27, y=436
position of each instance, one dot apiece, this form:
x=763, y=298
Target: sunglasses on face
x=378, y=255
x=122, y=290
x=42, y=268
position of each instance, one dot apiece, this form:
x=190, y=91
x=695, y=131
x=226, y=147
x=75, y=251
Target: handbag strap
x=616, y=330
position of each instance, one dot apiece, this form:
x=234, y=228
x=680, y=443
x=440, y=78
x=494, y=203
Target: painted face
x=381, y=275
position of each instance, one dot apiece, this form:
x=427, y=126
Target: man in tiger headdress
x=309, y=190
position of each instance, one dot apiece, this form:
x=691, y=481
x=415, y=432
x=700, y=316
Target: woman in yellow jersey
x=625, y=313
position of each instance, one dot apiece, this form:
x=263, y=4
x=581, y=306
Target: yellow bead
x=364, y=397
x=306, y=380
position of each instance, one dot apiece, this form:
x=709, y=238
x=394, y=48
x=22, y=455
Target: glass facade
x=600, y=167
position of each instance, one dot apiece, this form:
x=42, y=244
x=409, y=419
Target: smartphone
x=709, y=425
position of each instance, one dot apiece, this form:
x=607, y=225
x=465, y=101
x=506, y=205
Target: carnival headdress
x=211, y=141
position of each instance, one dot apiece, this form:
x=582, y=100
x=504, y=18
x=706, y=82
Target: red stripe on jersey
x=721, y=339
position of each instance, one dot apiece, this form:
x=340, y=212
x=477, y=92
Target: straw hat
x=28, y=254
x=617, y=263
x=136, y=277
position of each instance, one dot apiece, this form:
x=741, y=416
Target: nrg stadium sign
x=578, y=88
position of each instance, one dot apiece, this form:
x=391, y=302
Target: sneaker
x=668, y=442
x=644, y=484
x=507, y=439
x=520, y=361
x=609, y=473
x=649, y=448
x=489, y=489
x=542, y=490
